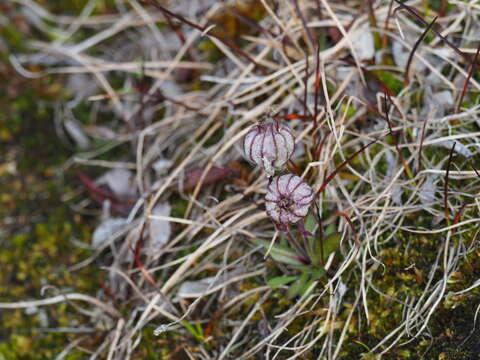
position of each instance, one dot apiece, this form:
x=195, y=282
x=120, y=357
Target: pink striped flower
x=288, y=199
x=269, y=145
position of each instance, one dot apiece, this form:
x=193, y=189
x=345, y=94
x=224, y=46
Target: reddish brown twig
x=317, y=82
x=385, y=28
x=458, y=216
x=443, y=8
x=141, y=266
x=473, y=65
x=305, y=90
x=304, y=23
x=212, y=321
x=414, y=49
x=293, y=117
x=341, y=166
x=387, y=118
x=318, y=149
x=352, y=226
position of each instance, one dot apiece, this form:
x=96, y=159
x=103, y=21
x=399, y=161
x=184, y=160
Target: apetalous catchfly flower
x=288, y=199
x=269, y=145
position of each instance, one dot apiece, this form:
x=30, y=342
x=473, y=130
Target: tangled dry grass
x=171, y=93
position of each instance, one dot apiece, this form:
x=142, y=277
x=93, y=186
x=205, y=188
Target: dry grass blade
x=445, y=190
x=62, y=298
x=420, y=147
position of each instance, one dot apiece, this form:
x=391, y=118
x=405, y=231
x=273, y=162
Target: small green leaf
x=318, y=274
x=297, y=286
x=306, y=286
x=199, y=330
x=310, y=223
x=330, y=229
x=196, y=330
x=316, y=254
x=313, y=271
x=281, y=254
x=303, y=268
x=331, y=243
x=280, y=280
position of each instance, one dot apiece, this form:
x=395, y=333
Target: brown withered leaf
x=214, y=174
x=243, y=173
x=335, y=34
x=99, y=195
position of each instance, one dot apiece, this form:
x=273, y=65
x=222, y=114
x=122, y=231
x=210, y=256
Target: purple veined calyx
x=288, y=199
x=269, y=145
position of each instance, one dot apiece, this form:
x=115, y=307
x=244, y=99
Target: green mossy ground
x=37, y=228
x=36, y=225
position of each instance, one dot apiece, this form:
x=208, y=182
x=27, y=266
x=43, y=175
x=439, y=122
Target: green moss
x=36, y=225
x=391, y=81
x=407, y=265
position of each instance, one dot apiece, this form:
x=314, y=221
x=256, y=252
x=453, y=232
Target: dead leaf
x=160, y=230
x=106, y=229
x=120, y=181
x=213, y=175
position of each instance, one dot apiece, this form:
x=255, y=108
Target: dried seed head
x=269, y=145
x=288, y=199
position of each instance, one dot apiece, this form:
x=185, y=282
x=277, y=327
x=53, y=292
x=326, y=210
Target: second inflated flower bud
x=288, y=199
x=269, y=145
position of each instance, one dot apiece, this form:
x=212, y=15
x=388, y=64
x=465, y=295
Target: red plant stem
x=317, y=81
x=414, y=49
x=317, y=86
x=352, y=226
x=107, y=290
x=387, y=21
x=387, y=118
x=142, y=268
x=304, y=23
x=180, y=35
x=212, y=321
x=443, y=8
x=467, y=80
x=305, y=234
x=340, y=167
x=305, y=91
x=458, y=216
